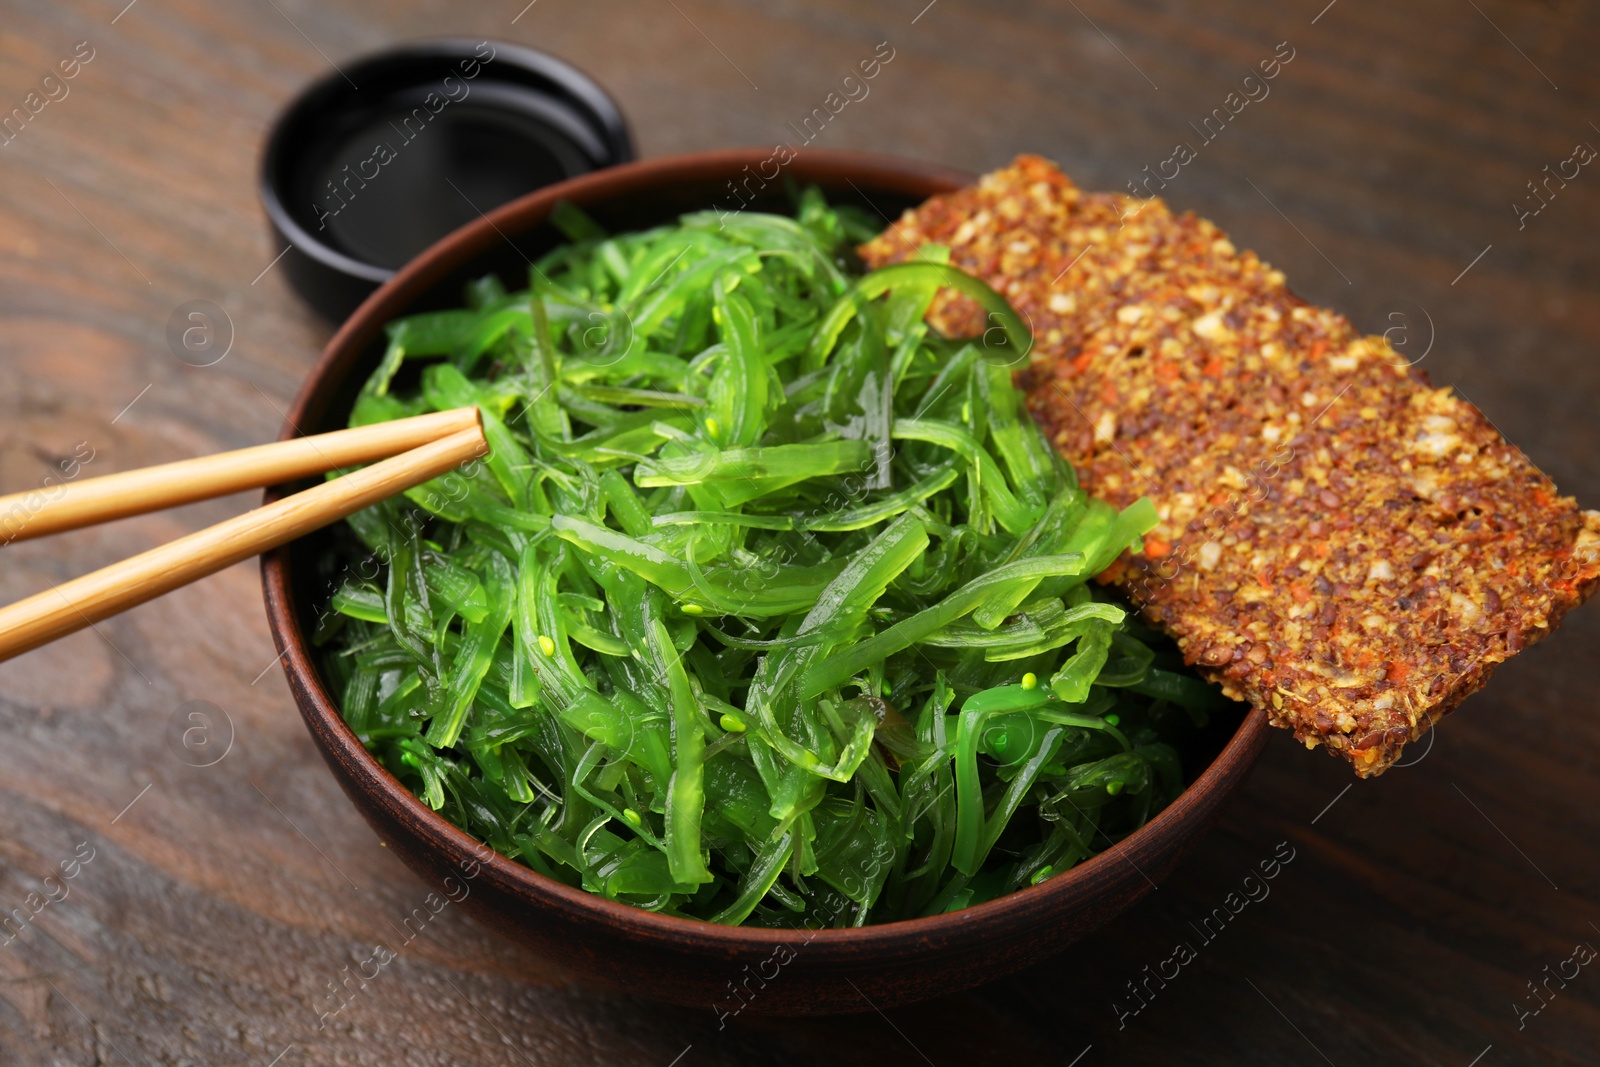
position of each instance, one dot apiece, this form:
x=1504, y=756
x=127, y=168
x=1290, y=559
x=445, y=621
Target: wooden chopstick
x=117, y=496
x=71, y=606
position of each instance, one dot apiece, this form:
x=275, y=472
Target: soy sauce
x=406, y=176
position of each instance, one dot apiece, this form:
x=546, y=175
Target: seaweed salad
x=770, y=605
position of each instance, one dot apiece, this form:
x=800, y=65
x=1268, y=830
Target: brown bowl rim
x=1054, y=896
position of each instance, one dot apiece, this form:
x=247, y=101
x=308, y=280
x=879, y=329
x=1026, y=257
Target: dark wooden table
x=218, y=904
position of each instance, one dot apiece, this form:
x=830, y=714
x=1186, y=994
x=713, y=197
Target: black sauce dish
x=387, y=154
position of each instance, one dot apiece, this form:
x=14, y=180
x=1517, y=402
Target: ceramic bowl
x=720, y=969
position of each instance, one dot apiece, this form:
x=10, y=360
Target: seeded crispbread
x=1341, y=544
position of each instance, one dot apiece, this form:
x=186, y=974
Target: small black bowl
x=380, y=159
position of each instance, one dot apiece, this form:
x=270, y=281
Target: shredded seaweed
x=769, y=606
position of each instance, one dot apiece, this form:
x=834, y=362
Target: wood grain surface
x=184, y=881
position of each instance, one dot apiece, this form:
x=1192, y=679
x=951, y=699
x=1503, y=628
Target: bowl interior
x=524, y=235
